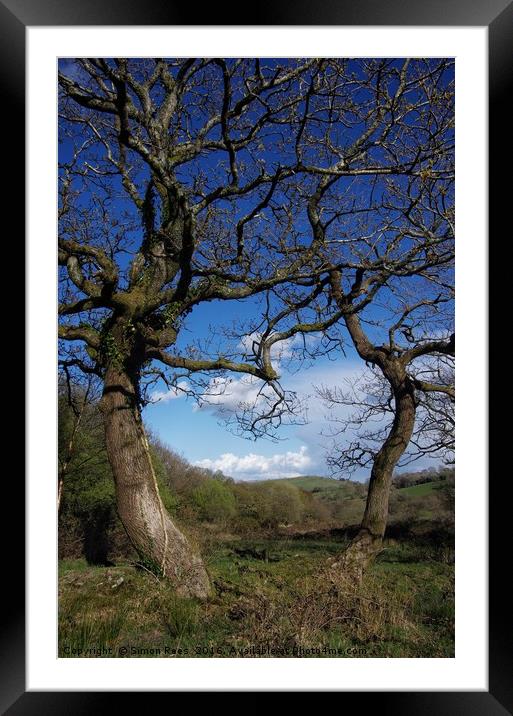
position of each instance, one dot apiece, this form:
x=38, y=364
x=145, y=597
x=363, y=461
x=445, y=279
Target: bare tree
x=197, y=180
x=417, y=397
x=362, y=412
x=388, y=246
x=391, y=424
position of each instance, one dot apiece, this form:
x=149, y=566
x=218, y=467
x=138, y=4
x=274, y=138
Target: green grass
x=72, y=565
x=404, y=608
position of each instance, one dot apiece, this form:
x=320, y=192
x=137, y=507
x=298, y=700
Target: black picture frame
x=497, y=15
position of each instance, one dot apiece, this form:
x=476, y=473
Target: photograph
x=256, y=359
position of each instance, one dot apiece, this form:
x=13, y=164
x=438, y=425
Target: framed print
x=263, y=260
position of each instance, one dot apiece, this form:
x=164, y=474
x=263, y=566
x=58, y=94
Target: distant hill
x=316, y=482
x=424, y=488
x=327, y=488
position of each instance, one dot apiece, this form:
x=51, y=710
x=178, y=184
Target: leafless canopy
x=362, y=409
x=317, y=189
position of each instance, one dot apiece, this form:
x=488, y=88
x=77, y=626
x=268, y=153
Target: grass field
x=278, y=602
x=425, y=488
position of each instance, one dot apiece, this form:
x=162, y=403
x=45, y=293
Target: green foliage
x=88, y=510
x=214, y=500
x=171, y=312
x=109, y=350
x=281, y=504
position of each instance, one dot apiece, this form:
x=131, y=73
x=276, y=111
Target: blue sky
x=200, y=432
x=202, y=437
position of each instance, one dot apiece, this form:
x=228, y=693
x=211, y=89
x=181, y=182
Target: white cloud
x=178, y=391
x=281, y=350
x=260, y=467
x=228, y=395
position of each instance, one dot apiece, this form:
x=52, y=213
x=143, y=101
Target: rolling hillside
x=326, y=487
x=426, y=488
x=331, y=488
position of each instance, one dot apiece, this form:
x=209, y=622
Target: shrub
x=215, y=501
x=281, y=504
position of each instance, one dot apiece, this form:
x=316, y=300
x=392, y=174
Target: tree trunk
x=369, y=540
x=149, y=527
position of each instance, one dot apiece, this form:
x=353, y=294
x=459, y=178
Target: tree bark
x=369, y=540
x=147, y=523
